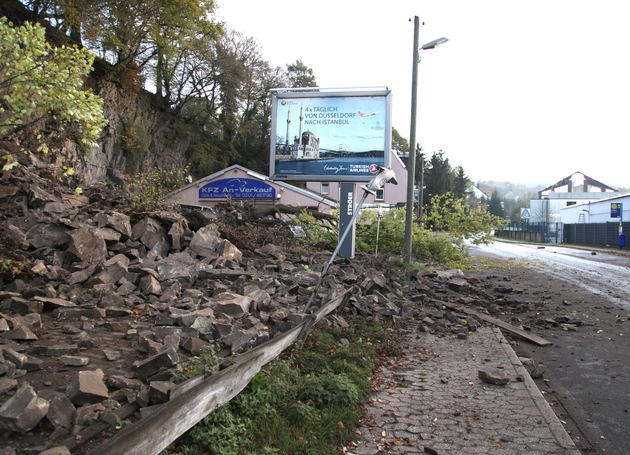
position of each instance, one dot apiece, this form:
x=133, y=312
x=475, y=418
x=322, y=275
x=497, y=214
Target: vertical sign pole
x=347, y=206
x=622, y=237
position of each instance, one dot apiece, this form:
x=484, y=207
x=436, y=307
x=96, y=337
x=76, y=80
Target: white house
x=477, y=193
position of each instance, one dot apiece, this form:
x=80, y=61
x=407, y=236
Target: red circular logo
x=373, y=168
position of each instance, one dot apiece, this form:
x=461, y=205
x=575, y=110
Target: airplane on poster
x=368, y=114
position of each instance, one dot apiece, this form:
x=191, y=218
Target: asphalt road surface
x=589, y=369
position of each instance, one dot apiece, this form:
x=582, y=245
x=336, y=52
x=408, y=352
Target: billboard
x=329, y=135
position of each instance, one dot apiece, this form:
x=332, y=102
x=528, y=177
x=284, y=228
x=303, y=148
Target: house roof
x=477, y=192
x=305, y=192
x=587, y=181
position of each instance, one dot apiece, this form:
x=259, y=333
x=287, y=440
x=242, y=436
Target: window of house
x=380, y=195
x=571, y=203
x=325, y=188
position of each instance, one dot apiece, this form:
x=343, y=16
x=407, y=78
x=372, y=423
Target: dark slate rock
x=23, y=411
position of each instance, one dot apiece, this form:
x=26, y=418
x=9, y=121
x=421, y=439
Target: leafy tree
x=399, y=143
x=300, y=75
x=65, y=16
x=231, y=121
x=253, y=137
x=156, y=38
x=39, y=82
x=495, y=206
x=184, y=41
x=451, y=214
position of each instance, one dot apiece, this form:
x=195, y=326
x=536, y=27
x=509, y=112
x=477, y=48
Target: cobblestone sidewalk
x=433, y=401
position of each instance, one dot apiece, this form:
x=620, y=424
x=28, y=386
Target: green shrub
x=426, y=245
x=318, y=233
x=307, y=402
x=329, y=389
x=39, y=82
x=391, y=231
x=439, y=247
x=145, y=191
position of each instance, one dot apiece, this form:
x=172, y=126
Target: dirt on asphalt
x=588, y=333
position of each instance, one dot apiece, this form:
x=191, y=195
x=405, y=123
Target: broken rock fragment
x=23, y=411
x=152, y=365
x=494, y=377
x=87, y=245
x=61, y=410
x=87, y=387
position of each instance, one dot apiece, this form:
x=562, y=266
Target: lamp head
x=383, y=176
x=435, y=43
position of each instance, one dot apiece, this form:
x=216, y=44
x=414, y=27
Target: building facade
x=576, y=189
x=238, y=183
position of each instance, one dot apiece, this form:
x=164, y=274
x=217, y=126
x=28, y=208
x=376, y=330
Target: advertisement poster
x=330, y=136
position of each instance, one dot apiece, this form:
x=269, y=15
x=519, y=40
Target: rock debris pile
x=112, y=306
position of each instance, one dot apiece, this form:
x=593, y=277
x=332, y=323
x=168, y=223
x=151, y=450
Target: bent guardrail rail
x=161, y=428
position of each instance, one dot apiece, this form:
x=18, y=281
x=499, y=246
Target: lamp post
x=411, y=162
x=383, y=176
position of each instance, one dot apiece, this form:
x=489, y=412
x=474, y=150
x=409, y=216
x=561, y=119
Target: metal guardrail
x=170, y=420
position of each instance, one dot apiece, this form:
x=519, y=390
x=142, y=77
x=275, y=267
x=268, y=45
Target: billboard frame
x=328, y=111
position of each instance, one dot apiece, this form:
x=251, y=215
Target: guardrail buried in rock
x=170, y=420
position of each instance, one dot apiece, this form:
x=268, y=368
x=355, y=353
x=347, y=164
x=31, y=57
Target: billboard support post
x=346, y=212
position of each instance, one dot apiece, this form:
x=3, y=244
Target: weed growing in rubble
x=308, y=401
x=11, y=269
x=203, y=365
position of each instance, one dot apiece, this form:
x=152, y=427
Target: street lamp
x=383, y=175
x=411, y=162
x=433, y=44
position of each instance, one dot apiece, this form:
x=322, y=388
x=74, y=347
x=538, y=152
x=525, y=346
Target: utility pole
x=411, y=162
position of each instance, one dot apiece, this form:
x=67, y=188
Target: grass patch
x=306, y=402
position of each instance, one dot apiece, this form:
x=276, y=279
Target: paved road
x=606, y=273
x=589, y=368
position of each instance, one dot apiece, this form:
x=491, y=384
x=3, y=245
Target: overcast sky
x=524, y=91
